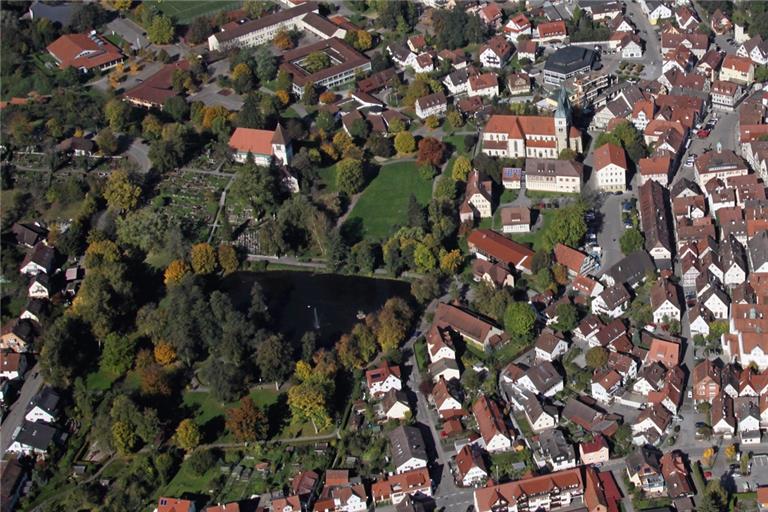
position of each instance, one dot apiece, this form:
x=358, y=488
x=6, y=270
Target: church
x=532, y=136
x=264, y=146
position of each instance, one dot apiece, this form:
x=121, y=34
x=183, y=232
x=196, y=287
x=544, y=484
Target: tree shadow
x=277, y=416
x=352, y=230
x=212, y=429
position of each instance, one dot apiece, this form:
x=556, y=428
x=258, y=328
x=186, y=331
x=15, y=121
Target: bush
x=202, y=460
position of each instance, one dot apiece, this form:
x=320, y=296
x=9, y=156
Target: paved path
x=32, y=384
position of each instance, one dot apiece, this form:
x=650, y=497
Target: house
x=550, y=449
x=303, y=484
x=85, y=52
x=671, y=393
x=722, y=416
x=665, y=303
x=695, y=42
x=515, y=219
x=725, y=95
x=12, y=479
x=40, y=287
x=478, y=199
x=655, y=222
x=470, y=467
x=762, y=498
x=595, y=451
x=613, y=301
x=490, y=422
x=495, y=52
x=263, y=146
x=174, y=505
x=423, y=63
x=541, y=379
x=754, y=49
x=491, y=15
x=518, y=84
x=650, y=425
x=518, y=25
x=574, y=260
x=492, y=246
x=471, y=327
x=540, y=416
x=13, y=365
x=493, y=274
x=588, y=418
x=377, y=81
x=395, y=488
x=716, y=302
x=610, y=166
x=548, y=175
x=550, y=31
x=676, y=475
x=527, y=50
x=605, y=384
x=650, y=378
x=747, y=412
x=739, y=70
x=485, y=85
x=42, y=259
x=407, y=448
x=440, y=343
x=686, y=19
x=395, y=405
x=719, y=164
x=532, y=136
x=44, y=406
x=340, y=494
x=656, y=10
x=17, y=335
x=587, y=286
x=756, y=252
x=629, y=45
x=446, y=369
x=457, y=81
x=417, y=43
x=706, y=380
x=720, y=23
x=549, y=346
x=31, y=438
x=644, y=470
x=286, y=504
x=431, y=105
x=77, y=147
x=383, y=379
x=446, y=404
x=545, y=492
x=29, y=234
x=156, y=89
x=666, y=351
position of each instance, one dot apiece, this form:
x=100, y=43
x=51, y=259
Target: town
x=396, y=255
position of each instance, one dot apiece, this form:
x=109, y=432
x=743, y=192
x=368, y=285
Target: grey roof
x=47, y=400
x=615, y=295
x=28, y=233
x=407, y=442
x=745, y=407
x=554, y=447
x=37, y=435
x=643, y=456
x=61, y=13
x=758, y=249
x=441, y=365
x=632, y=268
x=544, y=376
x=683, y=185
x=569, y=59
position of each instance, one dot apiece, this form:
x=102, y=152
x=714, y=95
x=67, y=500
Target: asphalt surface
x=32, y=384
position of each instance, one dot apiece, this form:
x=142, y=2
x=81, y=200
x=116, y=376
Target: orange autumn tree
x=176, y=271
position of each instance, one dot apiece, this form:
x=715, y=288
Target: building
x=518, y=25
x=630, y=270
x=346, y=64
x=644, y=470
x=706, y=380
x=493, y=432
x=263, y=146
x=515, y=219
x=550, y=31
x=739, y=70
x=44, y=406
x=394, y=488
x=175, y=505
x=478, y=199
x=550, y=175
x=32, y=438
x=492, y=246
x=725, y=95
x=721, y=164
x=155, y=90
x=754, y=49
x=383, y=379
x=492, y=274
x=549, y=346
x=485, y=85
x=518, y=84
x=407, y=448
x=568, y=62
x=470, y=467
x=655, y=222
x=605, y=384
x=612, y=302
x=431, y=105
x=665, y=303
x=530, y=136
x=610, y=165
x=584, y=89
x=85, y=52
x=471, y=327
x=12, y=479
x=495, y=52
x=552, y=450
x=13, y=365
x=655, y=168
x=41, y=260
x=264, y=29
x=595, y=451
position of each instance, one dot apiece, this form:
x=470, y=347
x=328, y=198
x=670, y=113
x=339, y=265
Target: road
x=138, y=151
x=32, y=385
x=648, y=33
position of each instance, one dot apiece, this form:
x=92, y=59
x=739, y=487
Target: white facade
x=668, y=310
x=612, y=178
x=36, y=414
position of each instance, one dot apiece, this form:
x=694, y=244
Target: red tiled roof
x=83, y=51
x=503, y=249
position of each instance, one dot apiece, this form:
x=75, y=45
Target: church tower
x=281, y=146
x=562, y=120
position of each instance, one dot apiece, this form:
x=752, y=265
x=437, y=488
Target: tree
x=164, y=353
x=708, y=503
x=519, y=319
x=257, y=188
x=349, y=176
x=176, y=271
x=380, y=145
x=177, y=108
x=266, y=68
x=567, y=227
x=199, y=30
x=632, y=240
x=392, y=323
x=203, y=258
x=161, y=30
x=567, y=317
x=120, y=192
x=316, y=61
x=359, y=129
x=325, y=121
x=405, y=143
x=426, y=288
x=117, y=114
x=431, y=151
x=155, y=380
x=424, y=258
x=432, y=122
x=567, y=154
x=187, y=435
x=273, y=357
x=761, y=74
x=124, y=438
x=415, y=213
x=596, y=357
x=730, y=452
x=309, y=94
x=560, y=274
x=228, y=260
x=307, y=403
x=106, y=142
x=451, y=261
x=462, y=166
x=118, y=353
x=454, y=120
x=247, y=422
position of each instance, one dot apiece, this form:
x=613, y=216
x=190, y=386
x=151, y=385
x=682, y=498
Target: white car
x=689, y=162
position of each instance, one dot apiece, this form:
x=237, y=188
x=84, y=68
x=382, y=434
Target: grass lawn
x=643, y=503
x=420, y=351
x=187, y=10
x=508, y=195
x=115, y=39
x=187, y=481
x=327, y=177
x=457, y=141
x=99, y=381
x=535, y=237
x=289, y=113
x=208, y=407
x=384, y=202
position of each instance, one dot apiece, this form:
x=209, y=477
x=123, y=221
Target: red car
x=703, y=134
x=707, y=475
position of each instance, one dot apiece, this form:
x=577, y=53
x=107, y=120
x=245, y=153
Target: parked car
x=703, y=134
x=707, y=475
x=689, y=162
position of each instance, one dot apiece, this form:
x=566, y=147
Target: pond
x=304, y=301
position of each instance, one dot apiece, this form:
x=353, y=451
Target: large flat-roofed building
x=262, y=30
x=345, y=64
x=532, y=136
x=568, y=62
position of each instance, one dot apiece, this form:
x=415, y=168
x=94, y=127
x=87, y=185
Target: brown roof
x=158, y=87
x=258, y=142
x=408, y=482
x=84, y=51
x=664, y=351
x=496, y=246
x=381, y=373
x=572, y=258
x=266, y=21
x=484, y=81
x=488, y=498
x=655, y=165
x=469, y=457
x=740, y=64
x=346, y=58
x=514, y=215
x=552, y=28
x=499, y=45
x=547, y=341
x=465, y=323
x=489, y=419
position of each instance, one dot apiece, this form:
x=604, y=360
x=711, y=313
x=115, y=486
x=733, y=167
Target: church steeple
x=563, y=105
x=562, y=120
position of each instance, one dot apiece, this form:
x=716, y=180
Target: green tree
x=187, y=435
x=424, y=258
x=462, y=166
x=596, y=357
x=567, y=227
x=161, y=30
x=121, y=192
x=567, y=317
x=349, y=176
x=273, y=357
x=405, y=143
x=117, y=114
x=118, y=354
x=176, y=107
x=632, y=240
x=257, y=188
x=266, y=67
x=316, y=61
x=107, y=142
x=124, y=438
x=519, y=319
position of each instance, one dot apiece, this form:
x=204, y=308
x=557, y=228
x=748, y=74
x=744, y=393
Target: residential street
x=32, y=384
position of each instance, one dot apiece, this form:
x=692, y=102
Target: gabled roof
x=83, y=51
x=573, y=259
x=490, y=422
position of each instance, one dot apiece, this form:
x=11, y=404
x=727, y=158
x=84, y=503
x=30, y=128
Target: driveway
x=31, y=386
x=139, y=153
x=129, y=31
x=211, y=93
